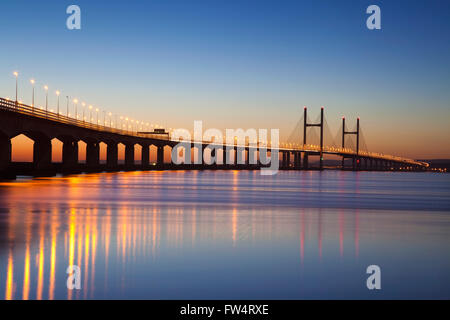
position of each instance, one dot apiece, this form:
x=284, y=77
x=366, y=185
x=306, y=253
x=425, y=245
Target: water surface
x=226, y=235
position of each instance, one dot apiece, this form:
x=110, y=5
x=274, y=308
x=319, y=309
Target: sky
x=243, y=64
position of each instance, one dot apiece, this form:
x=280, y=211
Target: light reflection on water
x=192, y=235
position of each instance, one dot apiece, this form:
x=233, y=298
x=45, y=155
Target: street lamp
x=75, y=101
x=83, y=105
x=46, y=98
x=32, y=96
x=90, y=114
x=16, y=74
x=57, y=95
x=110, y=120
x=67, y=105
x=96, y=110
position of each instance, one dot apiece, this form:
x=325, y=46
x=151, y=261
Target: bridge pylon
x=355, y=159
x=320, y=125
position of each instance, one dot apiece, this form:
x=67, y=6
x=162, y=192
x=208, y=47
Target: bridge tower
x=355, y=159
x=320, y=125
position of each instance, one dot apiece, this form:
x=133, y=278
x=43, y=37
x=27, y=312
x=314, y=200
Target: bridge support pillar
x=285, y=160
x=112, y=155
x=160, y=156
x=252, y=156
x=129, y=156
x=92, y=154
x=5, y=157
x=241, y=156
x=246, y=156
x=42, y=154
x=305, y=161
x=70, y=154
x=295, y=159
x=202, y=161
x=145, y=156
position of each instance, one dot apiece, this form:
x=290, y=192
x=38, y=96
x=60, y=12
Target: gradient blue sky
x=244, y=63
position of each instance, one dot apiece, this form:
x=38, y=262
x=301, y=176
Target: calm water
x=224, y=234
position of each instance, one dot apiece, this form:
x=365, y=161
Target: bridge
x=42, y=126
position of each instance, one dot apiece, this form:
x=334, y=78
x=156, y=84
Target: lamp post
x=96, y=110
x=110, y=120
x=67, y=106
x=83, y=105
x=32, y=95
x=90, y=114
x=75, y=101
x=46, y=99
x=57, y=97
x=16, y=74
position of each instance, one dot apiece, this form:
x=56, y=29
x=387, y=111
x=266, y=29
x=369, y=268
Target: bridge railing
x=40, y=112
